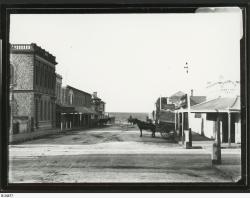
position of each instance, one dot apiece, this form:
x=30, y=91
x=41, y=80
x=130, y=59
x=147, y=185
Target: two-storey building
x=76, y=108
x=33, y=81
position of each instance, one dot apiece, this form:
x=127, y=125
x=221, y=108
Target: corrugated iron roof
x=236, y=105
x=218, y=104
x=197, y=100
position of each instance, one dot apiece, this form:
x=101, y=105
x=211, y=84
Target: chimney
x=192, y=92
x=95, y=94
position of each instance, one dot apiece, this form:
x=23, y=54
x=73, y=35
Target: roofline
x=222, y=82
x=206, y=101
x=209, y=111
x=70, y=87
x=236, y=98
x=33, y=48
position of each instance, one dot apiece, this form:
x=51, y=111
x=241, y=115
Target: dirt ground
x=114, y=154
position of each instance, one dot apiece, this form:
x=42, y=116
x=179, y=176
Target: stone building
x=33, y=81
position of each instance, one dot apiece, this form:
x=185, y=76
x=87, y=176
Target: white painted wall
x=208, y=125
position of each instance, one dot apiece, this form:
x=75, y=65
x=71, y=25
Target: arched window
x=71, y=97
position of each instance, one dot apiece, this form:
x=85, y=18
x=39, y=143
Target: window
x=37, y=73
x=49, y=111
x=45, y=76
x=197, y=115
x=71, y=97
x=45, y=110
x=41, y=110
x=41, y=75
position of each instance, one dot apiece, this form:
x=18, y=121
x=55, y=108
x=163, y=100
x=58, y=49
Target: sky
x=132, y=59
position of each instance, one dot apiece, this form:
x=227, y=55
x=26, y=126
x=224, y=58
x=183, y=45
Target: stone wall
x=23, y=71
x=24, y=104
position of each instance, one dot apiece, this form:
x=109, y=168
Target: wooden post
x=216, y=153
x=229, y=129
x=202, y=126
x=175, y=121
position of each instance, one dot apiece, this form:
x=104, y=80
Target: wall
x=23, y=71
x=196, y=125
x=33, y=79
x=24, y=103
x=44, y=76
x=29, y=136
x=58, y=89
x=79, y=98
x=237, y=126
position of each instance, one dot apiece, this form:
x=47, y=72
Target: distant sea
x=122, y=117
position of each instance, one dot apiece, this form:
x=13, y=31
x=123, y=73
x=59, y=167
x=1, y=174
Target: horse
x=146, y=126
x=131, y=120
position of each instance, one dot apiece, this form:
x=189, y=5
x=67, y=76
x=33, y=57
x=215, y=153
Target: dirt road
x=110, y=154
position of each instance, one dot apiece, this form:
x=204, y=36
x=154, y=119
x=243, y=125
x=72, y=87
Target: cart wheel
x=164, y=134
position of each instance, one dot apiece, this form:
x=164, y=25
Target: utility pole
x=188, y=133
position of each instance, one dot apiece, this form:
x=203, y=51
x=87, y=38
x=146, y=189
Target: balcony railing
x=21, y=46
x=33, y=48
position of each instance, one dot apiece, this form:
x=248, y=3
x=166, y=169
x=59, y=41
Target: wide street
x=116, y=154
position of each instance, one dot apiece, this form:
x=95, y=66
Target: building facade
x=33, y=81
x=58, y=88
x=76, y=109
x=98, y=106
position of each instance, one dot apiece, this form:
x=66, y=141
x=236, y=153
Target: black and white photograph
x=126, y=98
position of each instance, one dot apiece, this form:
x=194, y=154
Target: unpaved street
x=110, y=154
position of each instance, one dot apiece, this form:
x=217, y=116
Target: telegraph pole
x=188, y=134
x=188, y=97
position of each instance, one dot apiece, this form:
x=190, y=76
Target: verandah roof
x=85, y=110
x=221, y=104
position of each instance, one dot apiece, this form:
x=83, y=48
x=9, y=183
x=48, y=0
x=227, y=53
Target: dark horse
x=146, y=126
x=131, y=120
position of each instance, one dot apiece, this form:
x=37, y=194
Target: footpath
x=230, y=156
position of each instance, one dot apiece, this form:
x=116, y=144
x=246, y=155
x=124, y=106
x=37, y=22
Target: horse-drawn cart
x=165, y=122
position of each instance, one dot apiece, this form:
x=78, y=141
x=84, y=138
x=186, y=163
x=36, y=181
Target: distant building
x=58, y=88
x=223, y=89
x=33, y=81
x=98, y=105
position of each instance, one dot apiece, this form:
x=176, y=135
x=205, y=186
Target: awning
x=65, y=109
x=85, y=110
